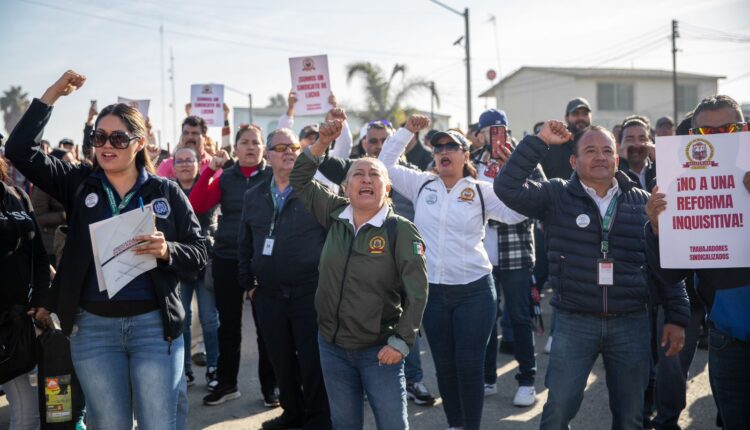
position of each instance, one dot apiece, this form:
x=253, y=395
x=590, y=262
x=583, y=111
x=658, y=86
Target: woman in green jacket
x=372, y=288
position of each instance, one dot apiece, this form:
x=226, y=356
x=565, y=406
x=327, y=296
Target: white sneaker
x=548, y=345
x=490, y=389
x=525, y=396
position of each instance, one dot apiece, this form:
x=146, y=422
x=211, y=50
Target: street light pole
x=467, y=47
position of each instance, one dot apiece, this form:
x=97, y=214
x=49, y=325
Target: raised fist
x=554, y=132
x=417, y=122
x=226, y=112
x=336, y=113
x=291, y=99
x=330, y=131
x=332, y=101
x=66, y=84
x=219, y=160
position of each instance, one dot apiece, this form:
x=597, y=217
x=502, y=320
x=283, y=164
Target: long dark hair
x=136, y=125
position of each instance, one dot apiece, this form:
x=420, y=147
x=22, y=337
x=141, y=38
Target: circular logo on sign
x=161, y=207
x=91, y=200
x=431, y=199
x=583, y=220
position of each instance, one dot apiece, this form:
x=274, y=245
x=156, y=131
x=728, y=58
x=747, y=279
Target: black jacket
x=23, y=260
x=298, y=242
x=69, y=184
x=573, y=251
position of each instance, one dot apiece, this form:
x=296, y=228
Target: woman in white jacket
x=451, y=208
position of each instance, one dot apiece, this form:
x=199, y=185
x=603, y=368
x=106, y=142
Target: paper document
x=112, y=241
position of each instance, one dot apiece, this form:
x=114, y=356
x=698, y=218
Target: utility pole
x=250, y=107
x=432, y=102
x=163, y=94
x=467, y=47
x=675, y=35
x=174, y=105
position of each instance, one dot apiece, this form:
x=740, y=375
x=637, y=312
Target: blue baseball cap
x=491, y=117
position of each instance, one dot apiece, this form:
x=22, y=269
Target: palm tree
x=384, y=101
x=13, y=103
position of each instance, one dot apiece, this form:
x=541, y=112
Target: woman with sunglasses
x=128, y=349
x=227, y=190
x=451, y=208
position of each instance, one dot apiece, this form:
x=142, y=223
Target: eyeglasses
x=178, y=161
x=118, y=139
x=283, y=147
x=448, y=147
x=732, y=127
x=379, y=123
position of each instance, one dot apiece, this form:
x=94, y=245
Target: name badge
x=606, y=271
x=268, y=246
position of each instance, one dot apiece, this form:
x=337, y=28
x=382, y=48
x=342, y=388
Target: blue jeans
x=125, y=366
x=625, y=345
x=516, y=287
x=729, y=374
x=413, y=364
x=458, y=321
x=349, y=374
x=208, y=316
x=22, y=400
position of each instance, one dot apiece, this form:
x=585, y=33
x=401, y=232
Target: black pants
x=287, y=321
x=229, y=300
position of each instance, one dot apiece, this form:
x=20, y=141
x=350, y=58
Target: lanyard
x=607, y=224
x=276, y=208
x=111, y=197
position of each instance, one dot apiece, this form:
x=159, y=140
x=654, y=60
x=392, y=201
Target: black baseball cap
x=576, y=103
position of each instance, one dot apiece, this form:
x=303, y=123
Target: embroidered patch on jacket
x=91, y=200
x=377, y=245
x=417, y=247
x=161, y=207
x=467, y=195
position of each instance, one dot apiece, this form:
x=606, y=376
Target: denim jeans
x=672, y=372
x=208, y=316
x=458, y=321
x=516, y=288
x=349, y=374
x=125, y=366
x=413, y=364
x=729, y=374
x=22, y=400
x=625, y=345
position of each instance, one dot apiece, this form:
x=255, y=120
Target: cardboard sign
x=707, y=220
x=207, y=102
x=311, y=82
x=141, y=105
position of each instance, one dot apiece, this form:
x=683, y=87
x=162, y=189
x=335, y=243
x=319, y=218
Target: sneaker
x=548, y=345
x=212, y=378
x=506, y=347
x=199, y=359
x=221, y=394
x=525, y=396
x=490, y=389
x=281, y=423
x=418, y=393
x=190, y=379
x=271, y=400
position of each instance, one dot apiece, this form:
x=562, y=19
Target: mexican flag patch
x=418, y=247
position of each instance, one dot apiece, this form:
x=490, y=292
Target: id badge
x=605, y=271
x=268, y=246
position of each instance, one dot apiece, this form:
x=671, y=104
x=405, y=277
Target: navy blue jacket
x=68, y=184
x=299, y=240
x=573, y=251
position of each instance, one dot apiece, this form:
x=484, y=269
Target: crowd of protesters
x=349, y=251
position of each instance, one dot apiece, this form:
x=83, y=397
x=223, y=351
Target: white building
x=532, y=94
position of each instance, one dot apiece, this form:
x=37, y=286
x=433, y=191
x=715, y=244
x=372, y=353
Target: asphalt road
x=248, y=412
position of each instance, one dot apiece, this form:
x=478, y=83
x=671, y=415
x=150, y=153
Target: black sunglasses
x=118, y=139
x=448, y=147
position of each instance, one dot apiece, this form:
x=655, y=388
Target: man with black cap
x=511, y=252
x=577, y=117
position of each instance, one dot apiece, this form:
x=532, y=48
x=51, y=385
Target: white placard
x=311, y=82
x=207, y=102
x=112, y=240
x=706, y=223
x=141, y=105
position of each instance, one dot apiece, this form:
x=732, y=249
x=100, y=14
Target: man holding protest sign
x=723, y=284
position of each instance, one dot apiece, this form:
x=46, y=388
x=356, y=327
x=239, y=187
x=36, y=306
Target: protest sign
x=311, y=82
x=141, y=105
x=207, y=102
x=706, y=223
x=112, y=240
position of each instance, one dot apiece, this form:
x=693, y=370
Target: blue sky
x=246, y=45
